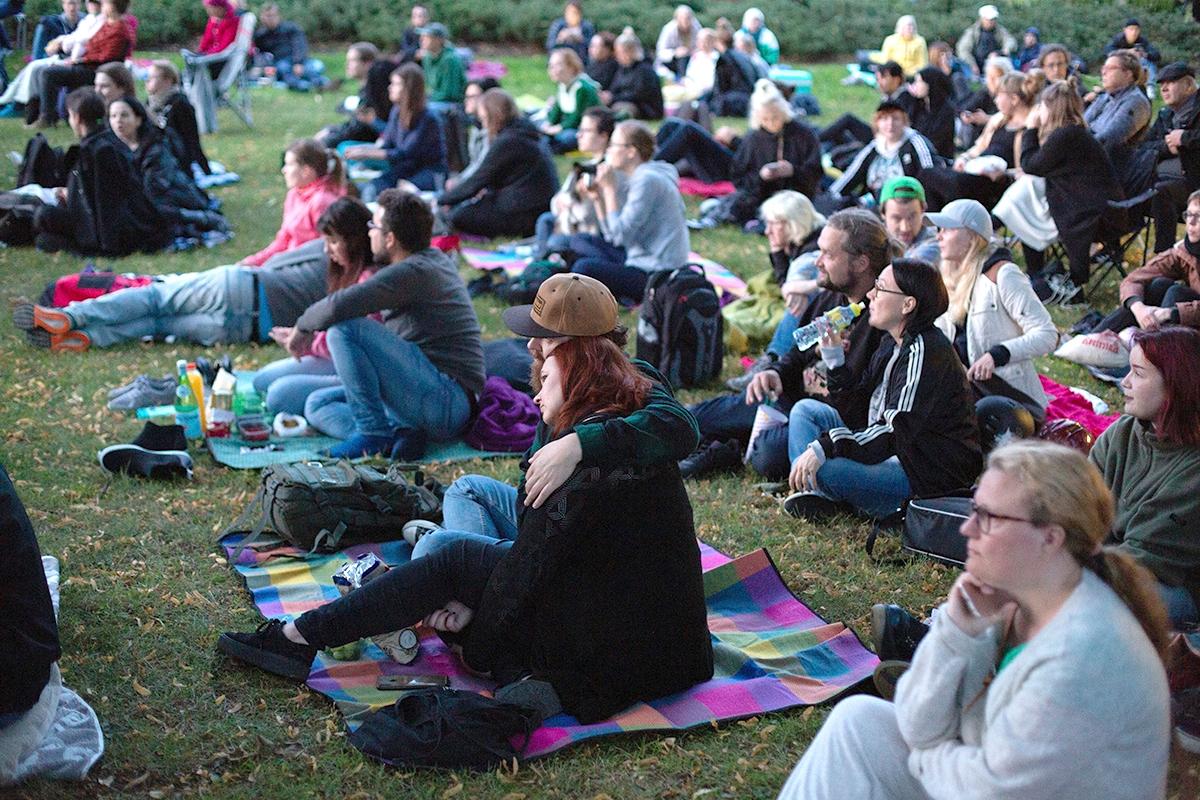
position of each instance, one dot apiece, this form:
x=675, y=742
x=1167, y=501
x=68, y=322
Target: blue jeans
x=564, y=141
x=474, y=507
x=876, y=489
x=606, y=263
x=211, y=307
x=313, y=74
x=1181, y=608
x=427, y=180
x=388, y=383
x=728, y=417
x=782, y=341
x=287, y=383
x=546, y=241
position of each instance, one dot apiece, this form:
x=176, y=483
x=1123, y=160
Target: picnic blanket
x=1066, y=403
x=513, y=265
x=771, y=652
x=698, y=188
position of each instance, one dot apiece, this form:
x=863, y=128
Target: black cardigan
x=1079, y=177
x=601, y=594
x=799, y=146
x=516, y=170
x=180, y=120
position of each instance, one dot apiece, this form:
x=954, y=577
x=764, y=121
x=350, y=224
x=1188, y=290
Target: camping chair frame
x=231, y=87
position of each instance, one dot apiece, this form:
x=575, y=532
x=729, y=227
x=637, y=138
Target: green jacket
x=1158, y=505
x=445, y=79
x=582, y=94
x=662, y=430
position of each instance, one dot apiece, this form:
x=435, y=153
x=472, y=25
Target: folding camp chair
x=230, y=88
x=1132, y=220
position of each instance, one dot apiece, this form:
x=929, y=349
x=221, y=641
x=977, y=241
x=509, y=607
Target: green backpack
x=322, y=507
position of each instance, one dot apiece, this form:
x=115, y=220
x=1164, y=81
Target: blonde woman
x=906, y=47
x=779, y=152
x=1048, y=650
x=996, y=321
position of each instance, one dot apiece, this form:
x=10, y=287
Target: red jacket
x=219, y=33
x=113, y=42
x=1177, y=264
x=302, y=208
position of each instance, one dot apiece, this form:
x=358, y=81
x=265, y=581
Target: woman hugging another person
x=557, y=621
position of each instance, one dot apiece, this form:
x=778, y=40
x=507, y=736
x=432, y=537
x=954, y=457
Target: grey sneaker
x=414, y=530
x=141, y=380
x=142, y=395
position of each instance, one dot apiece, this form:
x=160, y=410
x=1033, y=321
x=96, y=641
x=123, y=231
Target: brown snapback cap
x=566, y=305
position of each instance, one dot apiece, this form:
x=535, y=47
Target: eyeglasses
x=1191, y=217
x=983, y=518
x=879, y=287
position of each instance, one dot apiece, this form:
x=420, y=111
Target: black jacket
x=167, y=186
x=733, y=82
x=517, y=171
x=603, y=72
x=796, y=143
x=1187, y=119
x=601, y=594
x=1079, y=177
x=286, y=42
x=916, y=154
x=28, y=631
x=1118, y=43
x=113, y=214
x=850, y=397
x=781, y=260
x=921, y=411
x=373, y=93
x=638, y=84
x=179, y=118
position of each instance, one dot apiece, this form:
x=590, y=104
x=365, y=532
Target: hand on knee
x=452, y=618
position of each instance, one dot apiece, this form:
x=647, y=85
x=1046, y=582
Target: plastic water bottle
x=835, y=319
x=187, y=409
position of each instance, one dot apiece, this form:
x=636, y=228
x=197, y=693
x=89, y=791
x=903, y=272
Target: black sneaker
x=713, y=457
x=533, y=694
x=895, y=633
x=886, y=676
x=268, y=649
x=812, y=506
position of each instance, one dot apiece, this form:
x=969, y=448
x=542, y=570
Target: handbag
x=931, y=528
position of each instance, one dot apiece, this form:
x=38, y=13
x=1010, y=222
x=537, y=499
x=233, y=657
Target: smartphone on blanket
x=405, y=683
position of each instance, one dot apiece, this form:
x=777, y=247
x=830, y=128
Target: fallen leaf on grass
x=142, y=690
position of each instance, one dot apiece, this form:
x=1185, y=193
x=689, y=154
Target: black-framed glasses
x=1191, y=217
x=983, y=518
x=879, y=287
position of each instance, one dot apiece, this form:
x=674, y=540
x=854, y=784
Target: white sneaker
x=417, y=528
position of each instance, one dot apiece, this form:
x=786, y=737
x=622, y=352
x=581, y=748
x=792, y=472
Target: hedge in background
x=811, y=29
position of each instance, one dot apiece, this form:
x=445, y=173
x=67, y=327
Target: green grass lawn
x=145, y=593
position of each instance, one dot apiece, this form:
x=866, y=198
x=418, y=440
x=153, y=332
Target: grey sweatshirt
x=293, y=280
x=650, y=224
x=423, y=300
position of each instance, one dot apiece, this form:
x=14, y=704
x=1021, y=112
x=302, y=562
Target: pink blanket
x=1067, y=404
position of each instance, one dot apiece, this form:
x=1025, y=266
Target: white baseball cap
x=966, y=213
x=988, y=12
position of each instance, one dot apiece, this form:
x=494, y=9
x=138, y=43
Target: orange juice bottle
x=197, y=383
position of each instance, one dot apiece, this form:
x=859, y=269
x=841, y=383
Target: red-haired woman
x=587, y=611
x=1150, y=459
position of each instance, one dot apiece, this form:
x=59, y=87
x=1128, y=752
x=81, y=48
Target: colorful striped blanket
x=771, y=651
x=513, y=265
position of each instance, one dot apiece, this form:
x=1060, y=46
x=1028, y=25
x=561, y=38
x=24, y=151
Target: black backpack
x=931, y=528
x=323, y=507
x=681, y=330
x=448, y=728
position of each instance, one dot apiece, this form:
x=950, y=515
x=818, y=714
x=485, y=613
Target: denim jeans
x=287, y=383
x=564, y=141
x=1181, y=608
x=876, y=489
x=474, y=507
x=388, y=383
x=313, y=74
x=405, y=595
x=211, y=307
x=546, y=241
x=782, y=341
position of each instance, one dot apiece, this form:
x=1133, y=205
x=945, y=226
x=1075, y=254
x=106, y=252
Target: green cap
x=902, y=188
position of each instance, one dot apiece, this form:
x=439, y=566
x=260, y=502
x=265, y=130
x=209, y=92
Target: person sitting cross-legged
x=558, y=622
x=1048, y=649
x=413, y=376
x=921, y=438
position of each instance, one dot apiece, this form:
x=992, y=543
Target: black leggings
x=405, y=595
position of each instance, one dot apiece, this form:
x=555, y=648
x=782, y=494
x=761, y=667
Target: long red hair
x=597, y=378
x=1175, y=352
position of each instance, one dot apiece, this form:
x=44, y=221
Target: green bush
x=810, y=29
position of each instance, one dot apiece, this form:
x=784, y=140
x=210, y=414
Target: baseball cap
x=969, y=214
x=1175, y=71
x=566, y=305
x=434, y=29
x=902, y=187
x=988, y=12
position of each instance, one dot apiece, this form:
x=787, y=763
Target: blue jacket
x=410, y=150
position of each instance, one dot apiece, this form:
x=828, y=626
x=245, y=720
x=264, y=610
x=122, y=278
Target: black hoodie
x=517, y=171
x=934, y=115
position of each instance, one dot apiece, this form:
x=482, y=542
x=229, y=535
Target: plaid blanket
x=771, y=651
x=724, y=281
